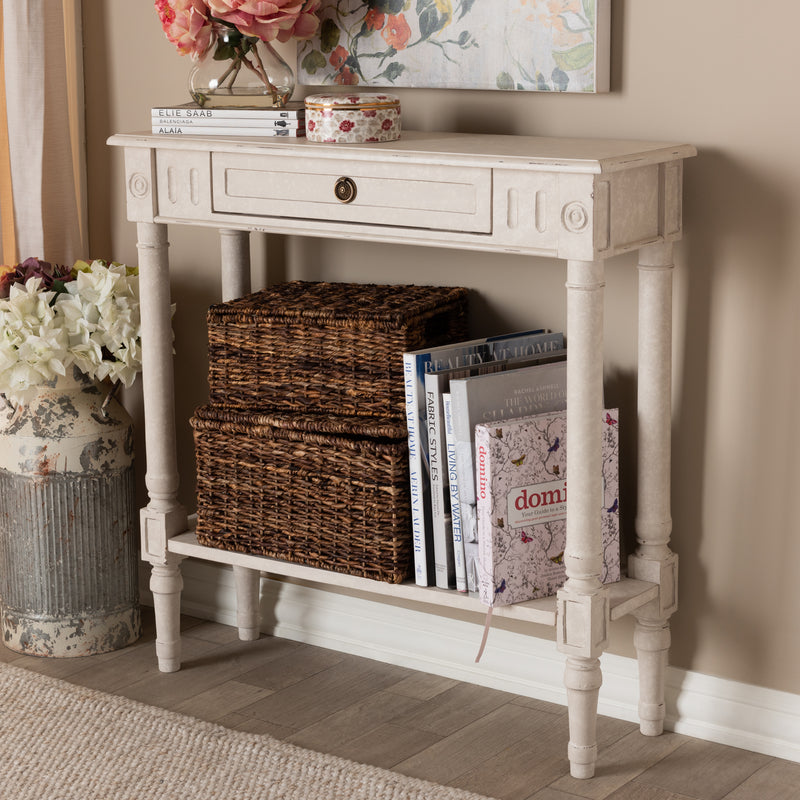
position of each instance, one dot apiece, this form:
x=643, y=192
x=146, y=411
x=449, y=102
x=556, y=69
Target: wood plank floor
x=491, y=742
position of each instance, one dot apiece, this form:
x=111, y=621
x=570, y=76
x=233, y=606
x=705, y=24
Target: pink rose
x=345, y=125
x=269, y=19
x=186, y=25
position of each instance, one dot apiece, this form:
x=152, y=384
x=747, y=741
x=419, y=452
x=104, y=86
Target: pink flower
x=346, y=125
x=374, y=19
x=386, y=124
x=269, y=19
x=311, y=125
x=186, y=25
x=338, y=57
x=370, y=112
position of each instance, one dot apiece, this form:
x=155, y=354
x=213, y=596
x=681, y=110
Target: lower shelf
x=624, y=597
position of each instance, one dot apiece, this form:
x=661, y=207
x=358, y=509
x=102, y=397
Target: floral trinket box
x=352, y=118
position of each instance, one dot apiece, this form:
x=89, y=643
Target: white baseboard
x=751, y=717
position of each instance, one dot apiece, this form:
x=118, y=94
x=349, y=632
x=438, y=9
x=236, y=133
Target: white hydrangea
x=102, y=309
x=34, y=345
x=94, y=324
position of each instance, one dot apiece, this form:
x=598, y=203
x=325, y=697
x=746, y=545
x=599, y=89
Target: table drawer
x=401, y=195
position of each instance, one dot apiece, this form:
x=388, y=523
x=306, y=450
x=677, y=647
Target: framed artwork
x=522, y=45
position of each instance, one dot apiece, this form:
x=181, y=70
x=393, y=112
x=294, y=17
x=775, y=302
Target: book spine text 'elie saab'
x=191, y=111
x=208, y=130
x=522, y=482
x=226, y=122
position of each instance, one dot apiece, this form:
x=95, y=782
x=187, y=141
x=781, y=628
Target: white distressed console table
x=579, y=200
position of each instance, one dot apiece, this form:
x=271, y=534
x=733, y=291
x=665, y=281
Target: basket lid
x=263, y=421
x=379, y=305
x=345, y=102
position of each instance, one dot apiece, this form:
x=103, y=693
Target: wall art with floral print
x=528, y=45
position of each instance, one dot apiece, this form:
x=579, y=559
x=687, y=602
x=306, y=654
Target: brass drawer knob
x=345, y=190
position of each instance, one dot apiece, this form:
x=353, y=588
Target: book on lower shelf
x=475, y=353
x=522, y=506
x=495, y=397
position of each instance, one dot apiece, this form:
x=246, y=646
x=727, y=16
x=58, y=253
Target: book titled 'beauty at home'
x=522, y=506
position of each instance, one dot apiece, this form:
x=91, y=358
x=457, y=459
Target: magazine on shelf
x=291, y=110
x=459, y=552
x=522, y=482
x=416, y=364
x=520, y=392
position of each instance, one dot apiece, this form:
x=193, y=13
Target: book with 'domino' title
x=522, y=483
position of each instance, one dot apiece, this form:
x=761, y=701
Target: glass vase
x=240, y=71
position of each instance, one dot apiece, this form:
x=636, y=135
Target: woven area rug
x=64, y=742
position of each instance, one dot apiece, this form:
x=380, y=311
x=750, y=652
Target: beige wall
x=721, y=79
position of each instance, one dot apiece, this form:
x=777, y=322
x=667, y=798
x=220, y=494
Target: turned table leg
x=583, y=611
x=235, y=271
x=653, y=561
x=163, y=517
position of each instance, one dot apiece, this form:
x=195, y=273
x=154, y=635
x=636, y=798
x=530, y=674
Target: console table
x=579, y=200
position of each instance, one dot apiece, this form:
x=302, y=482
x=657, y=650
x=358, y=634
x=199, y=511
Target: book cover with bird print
x=521, y=481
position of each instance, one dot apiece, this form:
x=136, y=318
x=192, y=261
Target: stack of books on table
x=193, y=120
x=450, y=391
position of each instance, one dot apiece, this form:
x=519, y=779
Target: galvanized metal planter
x=68, y=536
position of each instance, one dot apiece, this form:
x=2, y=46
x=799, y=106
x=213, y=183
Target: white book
x=191, y=110
x=459, y=553
x=210, y=130
x=222, y=122
x=496, y=397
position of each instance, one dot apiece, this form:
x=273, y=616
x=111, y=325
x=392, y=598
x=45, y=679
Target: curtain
x=42, y=162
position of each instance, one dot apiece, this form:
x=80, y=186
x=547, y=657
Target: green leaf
x=224, y=52
x=590, y=11
x=576, y=58
x=387, y=6
x=393, y=71
x=313, y=61
x=430, y=22
x=329, y=34
x=466, y=7
x=423, y=4
x=505, y=81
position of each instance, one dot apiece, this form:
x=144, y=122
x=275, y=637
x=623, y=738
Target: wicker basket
x=327, y=347
x=330, y=492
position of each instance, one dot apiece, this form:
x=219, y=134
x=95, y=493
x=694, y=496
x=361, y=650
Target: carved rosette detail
x=139, y=185
x=574, y=217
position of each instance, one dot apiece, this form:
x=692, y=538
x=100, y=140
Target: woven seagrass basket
x=327, y=347
x=320, y=490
